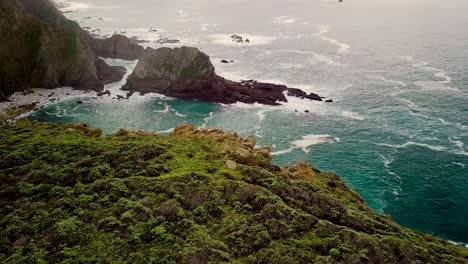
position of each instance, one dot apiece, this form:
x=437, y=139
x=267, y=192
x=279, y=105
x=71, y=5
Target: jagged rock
x=46, y=51
x=224, y=61
x=329, y=101
x=187, y=73
x=138, y=40
x=237, y=38
x=79, y=102
x=117, y=47
x=108, y=73
x=106, y=92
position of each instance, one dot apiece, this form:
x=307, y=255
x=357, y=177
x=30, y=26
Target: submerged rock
x=187, y=73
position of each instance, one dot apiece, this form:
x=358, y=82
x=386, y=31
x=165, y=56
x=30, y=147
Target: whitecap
x=283, y=20
x=207, y=119
x=458, y=243
x=397, y=83
x=387, y=161
x=443, y=84
x=411, y=143
x=459, y=164
x=342, y=47
x=305, y=143
x=179, y=114
x=165, y=110
x=315, y=57
x=261, y=115
x=182, y=13
x=352, y=115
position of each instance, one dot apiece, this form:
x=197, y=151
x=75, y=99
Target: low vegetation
x=69, y=194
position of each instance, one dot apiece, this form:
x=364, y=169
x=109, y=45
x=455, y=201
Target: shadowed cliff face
x=187, y=73
x=41, y=48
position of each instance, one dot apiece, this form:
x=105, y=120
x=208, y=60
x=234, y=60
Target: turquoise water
x=398, y=129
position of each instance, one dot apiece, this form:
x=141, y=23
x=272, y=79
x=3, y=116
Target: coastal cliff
x=43, y=49
x=72, y=195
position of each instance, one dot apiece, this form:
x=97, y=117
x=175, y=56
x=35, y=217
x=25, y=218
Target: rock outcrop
x=42, y=48
x=187, y=73
x=117, y=47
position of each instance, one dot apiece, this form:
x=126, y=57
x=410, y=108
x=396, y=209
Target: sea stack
x=187, y=73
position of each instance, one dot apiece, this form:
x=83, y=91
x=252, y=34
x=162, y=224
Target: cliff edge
x=72, y=195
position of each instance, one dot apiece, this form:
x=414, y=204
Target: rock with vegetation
x=41, y=48
x=69, y=194
x=187, y=73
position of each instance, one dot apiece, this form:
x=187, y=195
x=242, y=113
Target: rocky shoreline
x=72, y=57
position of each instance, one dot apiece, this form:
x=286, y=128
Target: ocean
x=397, y=131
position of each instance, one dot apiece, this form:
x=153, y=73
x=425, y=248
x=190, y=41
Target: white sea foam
x=69, y=6
x=322, y=29
x=72, y=6
x=179, y=114
x=315, y=57
x=207, y=119
x=225, y=39
x=291, y=66
x=459, y=164
x=182, y=13
x=348, y=86
x=387, y=161
x=397, y=83
x=352, y=115
x=43, y=96
x=261, y=115
x=165, y=110
x=410, y=104
x=458, y=243
x=284, y=20
x=457, y=125
x=444, y=84
x=205, y=27
x=305, y=143
x=460, y=145
x=411, y=143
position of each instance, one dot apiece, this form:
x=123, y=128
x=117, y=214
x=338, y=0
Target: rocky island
x=187, y=73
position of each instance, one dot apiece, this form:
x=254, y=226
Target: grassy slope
x=70, y=195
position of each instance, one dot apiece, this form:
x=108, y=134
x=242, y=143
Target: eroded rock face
x=42, y=48
x=187, y=73
x=117, y=47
